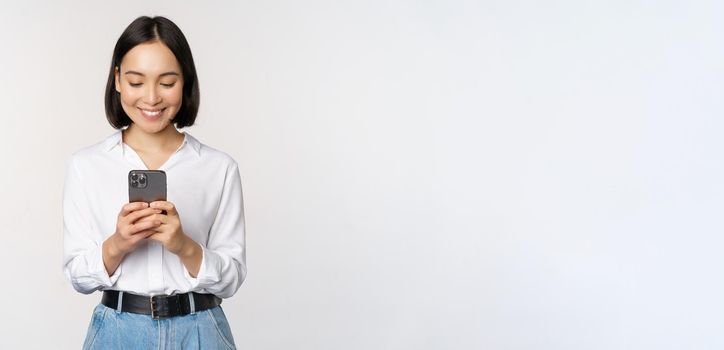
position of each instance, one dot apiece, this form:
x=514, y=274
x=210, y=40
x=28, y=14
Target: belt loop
x=192, y=305
x=120, y=302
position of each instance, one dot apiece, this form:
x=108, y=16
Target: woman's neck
x=164, y=140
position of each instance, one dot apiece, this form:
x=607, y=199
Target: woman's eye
x=135, y=84
x=169, y=85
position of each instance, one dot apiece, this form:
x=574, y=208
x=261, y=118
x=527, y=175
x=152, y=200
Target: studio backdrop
x=416, y=174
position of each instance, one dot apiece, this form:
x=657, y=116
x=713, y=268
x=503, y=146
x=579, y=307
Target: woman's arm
x=222, y=267
x=82, y=252
x=191, y=255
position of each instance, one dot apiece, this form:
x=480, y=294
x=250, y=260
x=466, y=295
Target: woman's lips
x=151, y=114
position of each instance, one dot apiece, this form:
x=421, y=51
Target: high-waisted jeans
x=110, y=329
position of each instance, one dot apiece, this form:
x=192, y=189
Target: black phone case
x=146, y=186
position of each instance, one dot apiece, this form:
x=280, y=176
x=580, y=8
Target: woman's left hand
x=169, y=233
x=173, y=238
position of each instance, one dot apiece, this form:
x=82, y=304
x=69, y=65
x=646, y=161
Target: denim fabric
x=110, y=329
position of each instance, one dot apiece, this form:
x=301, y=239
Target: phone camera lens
x=134, y=177
x=142, y=181
x=134, y=183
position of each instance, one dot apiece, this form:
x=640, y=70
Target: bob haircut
x=146, y=29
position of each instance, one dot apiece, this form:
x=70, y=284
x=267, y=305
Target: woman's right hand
x=130, y=231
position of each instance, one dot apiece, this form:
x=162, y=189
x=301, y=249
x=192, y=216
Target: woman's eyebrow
x=143, y=75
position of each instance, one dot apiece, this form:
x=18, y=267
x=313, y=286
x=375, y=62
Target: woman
x=163, y=266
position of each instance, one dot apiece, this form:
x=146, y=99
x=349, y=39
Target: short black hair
x=146, y=29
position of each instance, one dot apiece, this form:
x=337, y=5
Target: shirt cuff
x=203, y=273
x=97, y=269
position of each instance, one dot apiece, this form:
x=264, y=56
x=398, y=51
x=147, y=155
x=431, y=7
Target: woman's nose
x=152, y=96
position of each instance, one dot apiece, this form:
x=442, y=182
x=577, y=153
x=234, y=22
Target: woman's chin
x=152, y=128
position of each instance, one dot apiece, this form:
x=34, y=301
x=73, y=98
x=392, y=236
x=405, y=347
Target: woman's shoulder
x=209, y=153
x=94, y=150
x=92, y=157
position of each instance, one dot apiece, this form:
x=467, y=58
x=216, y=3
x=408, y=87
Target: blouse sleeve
x=82, y=247
x=223, y=265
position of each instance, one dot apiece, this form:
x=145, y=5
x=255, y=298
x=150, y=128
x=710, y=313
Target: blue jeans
x=111, y=329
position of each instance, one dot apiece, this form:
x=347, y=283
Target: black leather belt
x=160, y=306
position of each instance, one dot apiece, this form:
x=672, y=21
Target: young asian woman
x=163, y=267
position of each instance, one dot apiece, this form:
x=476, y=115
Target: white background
x=416, y=174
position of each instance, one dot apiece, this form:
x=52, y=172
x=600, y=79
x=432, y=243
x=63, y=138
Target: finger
x=148, y=233
x=143, y=226
x=139, y=215
x=169, y=207
x=156, y=216
x=130, y=231
x=139, y=236
x=134, y=216
x=131, y=207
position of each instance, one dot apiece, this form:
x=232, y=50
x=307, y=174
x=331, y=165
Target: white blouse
x=204, y=185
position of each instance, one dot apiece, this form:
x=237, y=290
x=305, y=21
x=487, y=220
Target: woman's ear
x=117, y=74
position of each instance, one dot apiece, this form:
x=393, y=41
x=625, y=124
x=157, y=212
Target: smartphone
x=146, y=186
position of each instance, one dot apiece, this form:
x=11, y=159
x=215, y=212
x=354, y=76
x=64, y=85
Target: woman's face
x=151, y=86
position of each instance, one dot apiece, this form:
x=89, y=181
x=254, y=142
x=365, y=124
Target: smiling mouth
x=151, y=113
